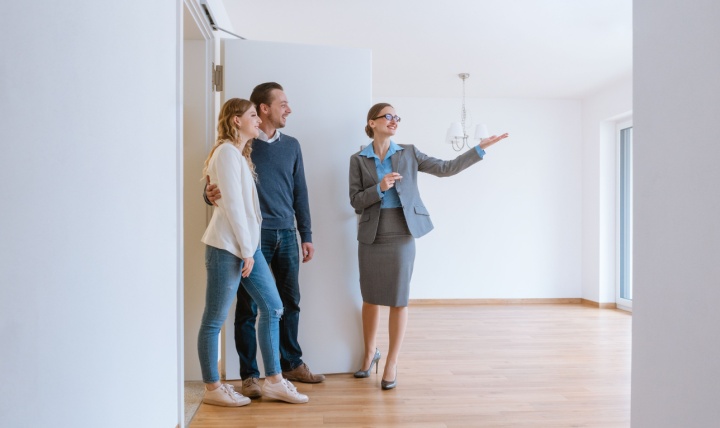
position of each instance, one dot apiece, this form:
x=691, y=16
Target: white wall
x=601, y=111
x=89, y=255
x=509, y=227
x=676, y=321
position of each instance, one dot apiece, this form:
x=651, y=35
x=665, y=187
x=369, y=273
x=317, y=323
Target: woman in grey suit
x=384, y=192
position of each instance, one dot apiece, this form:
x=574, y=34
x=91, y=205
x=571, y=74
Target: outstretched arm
x=446, y=168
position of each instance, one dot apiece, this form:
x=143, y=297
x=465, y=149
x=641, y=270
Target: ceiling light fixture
x=456, y=134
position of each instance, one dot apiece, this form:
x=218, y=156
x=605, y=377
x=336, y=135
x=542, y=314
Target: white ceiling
x=511, y=48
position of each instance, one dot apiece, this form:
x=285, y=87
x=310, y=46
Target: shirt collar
x=370, y=153
x=263, y=136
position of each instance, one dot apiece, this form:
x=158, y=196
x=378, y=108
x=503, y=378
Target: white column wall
x=89, y=225
x=676, y=321
x=600, y=113
x=510, y=226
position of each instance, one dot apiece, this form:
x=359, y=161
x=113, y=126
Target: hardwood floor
x=563, y=365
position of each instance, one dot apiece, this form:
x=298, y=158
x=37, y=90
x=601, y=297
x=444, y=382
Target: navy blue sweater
x=281, y=185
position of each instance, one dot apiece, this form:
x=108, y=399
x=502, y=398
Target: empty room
x=559, y=260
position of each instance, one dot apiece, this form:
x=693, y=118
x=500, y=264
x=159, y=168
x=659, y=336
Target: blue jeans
x=280, y=248
x=223, y=281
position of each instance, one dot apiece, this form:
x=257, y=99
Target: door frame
x=196, y=16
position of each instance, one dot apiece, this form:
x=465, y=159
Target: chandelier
x=457, y=133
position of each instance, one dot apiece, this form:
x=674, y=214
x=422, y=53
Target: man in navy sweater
x=283, y=201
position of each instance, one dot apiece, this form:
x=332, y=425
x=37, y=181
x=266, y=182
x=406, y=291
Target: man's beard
x=279, y=123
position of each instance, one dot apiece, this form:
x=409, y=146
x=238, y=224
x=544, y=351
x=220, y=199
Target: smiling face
x=277, y=112
x=381, y=126
x=248, y=124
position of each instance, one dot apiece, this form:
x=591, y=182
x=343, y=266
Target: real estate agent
x=384, y=192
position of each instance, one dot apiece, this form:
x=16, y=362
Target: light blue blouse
x=389, y=198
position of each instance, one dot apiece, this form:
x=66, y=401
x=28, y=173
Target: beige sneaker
x=283, y=391
x=251, y=387
x=303, y=374
x=226, y=396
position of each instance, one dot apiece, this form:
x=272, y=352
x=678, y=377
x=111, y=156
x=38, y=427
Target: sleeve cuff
x=380, y=192
x=480, y=151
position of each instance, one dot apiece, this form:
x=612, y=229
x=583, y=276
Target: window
x=624, y=288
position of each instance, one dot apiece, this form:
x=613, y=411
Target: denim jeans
x=223, y=281
x=280, y=248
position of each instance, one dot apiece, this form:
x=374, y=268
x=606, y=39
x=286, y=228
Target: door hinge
x=217, y=77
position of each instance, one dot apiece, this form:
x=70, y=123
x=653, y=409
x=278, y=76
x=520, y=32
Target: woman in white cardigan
x=233, y=259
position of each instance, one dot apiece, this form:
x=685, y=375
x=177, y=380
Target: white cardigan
x=235, y=223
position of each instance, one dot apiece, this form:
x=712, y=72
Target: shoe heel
x=375, y=360
x=366, y=373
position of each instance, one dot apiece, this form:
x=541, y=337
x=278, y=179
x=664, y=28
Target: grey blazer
x=366, y=200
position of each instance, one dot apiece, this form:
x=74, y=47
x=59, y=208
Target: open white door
x=329, y=90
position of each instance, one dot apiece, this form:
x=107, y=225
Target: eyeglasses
x=389, y=117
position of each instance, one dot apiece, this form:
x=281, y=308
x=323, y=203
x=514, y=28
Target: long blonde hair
x=228, y=132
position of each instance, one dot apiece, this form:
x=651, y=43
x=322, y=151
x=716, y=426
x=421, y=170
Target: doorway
x=198, y=101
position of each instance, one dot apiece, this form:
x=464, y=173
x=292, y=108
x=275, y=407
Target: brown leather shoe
x=303, y=374
x=251, y=387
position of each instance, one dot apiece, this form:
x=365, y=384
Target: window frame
x=624, y=197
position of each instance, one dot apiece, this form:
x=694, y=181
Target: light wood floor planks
x=517, y=366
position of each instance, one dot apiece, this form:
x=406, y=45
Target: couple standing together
x=258, y=179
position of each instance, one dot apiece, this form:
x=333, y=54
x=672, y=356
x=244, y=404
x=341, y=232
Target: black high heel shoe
x=366, y=373
x=389, y=384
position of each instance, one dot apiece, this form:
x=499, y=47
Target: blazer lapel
x=395, y=160
x=370, y=168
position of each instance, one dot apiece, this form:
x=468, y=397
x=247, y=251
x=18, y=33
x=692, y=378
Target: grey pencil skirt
x=386, y=265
